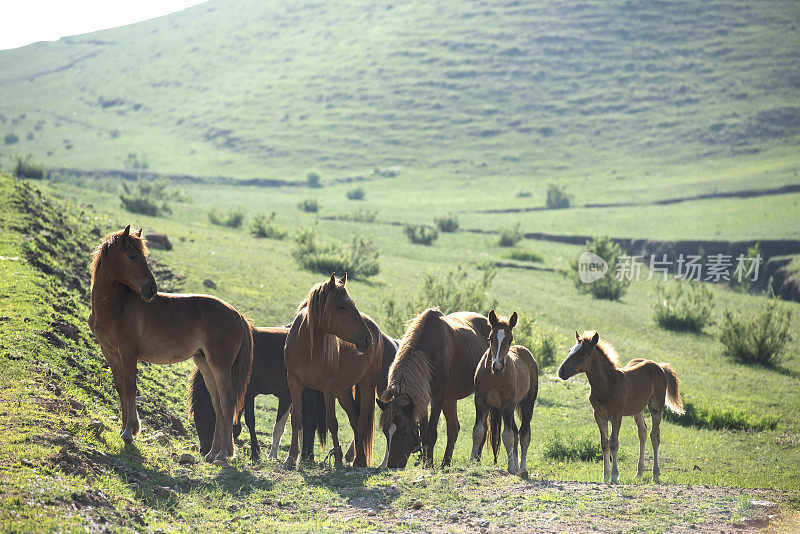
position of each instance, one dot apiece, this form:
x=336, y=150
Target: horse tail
x=314, y=419
x=240, y=371
x=201, y=409
x=495, y=420
x=673, y=400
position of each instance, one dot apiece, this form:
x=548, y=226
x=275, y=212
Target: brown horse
x=268, y=377
x=133, y=322
x=507, y=379
x=435, y=365
x=617, y=392
x=332, y=347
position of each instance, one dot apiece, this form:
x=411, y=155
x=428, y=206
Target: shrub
x=524, y=194
x=557, y=197
x=360, y=215
x=11, y=138
x=543, y=345
x=309, y=205
x=684, y=306
x=510, y=236
x=571, y=449
x=525, y=255
x=313, y=179
x=610, y=286
x=233, y=219
x=447, y=223
x=146, y=198
x=25, y=168
x=421, y=234
x=743, y=285
x=756, y=336
x=136, y=161
x=358, y=258
x=718, y=418
x=356, y=194
x=451, y=292
x=266, y=227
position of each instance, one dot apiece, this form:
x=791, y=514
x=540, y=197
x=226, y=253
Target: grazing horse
x=507, y=379
x=617, y=392
x=133, y=322
x=268, y=377
x=435, y=365
x=334, y=348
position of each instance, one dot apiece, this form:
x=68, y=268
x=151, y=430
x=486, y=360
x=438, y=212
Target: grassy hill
x=585, y=92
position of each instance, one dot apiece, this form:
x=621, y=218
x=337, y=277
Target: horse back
x=269, y=370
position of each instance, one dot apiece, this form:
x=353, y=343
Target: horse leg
x=526, y=411
x=510, y=439
x=119, y=385
x=479, y=430
x=431, y=432
x=348, y=404
x=250, y=421
x=128, y=378
x=211, y=386
x=655, y=438
x=296, y=393
x=222, y=375
x=616, y=423
x=642, y=429
x=333, y=425
x=450, y=410
x=602, y=424
x=284, y=404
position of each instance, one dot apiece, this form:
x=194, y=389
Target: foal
x=507, y=379
x=617, y=392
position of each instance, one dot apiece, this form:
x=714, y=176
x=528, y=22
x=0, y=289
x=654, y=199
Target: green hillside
x=557, y=89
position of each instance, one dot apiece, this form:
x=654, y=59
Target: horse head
x=500, y=339
x=123, y=256
x=578, y=358
x=339, y=316
x=400, y=428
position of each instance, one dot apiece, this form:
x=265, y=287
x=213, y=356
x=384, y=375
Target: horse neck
x=600, y=372
x=108, y=294
x=323, y=345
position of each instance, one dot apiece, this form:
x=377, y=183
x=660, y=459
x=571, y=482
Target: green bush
x=147, y=198
x=356, y=194
x=451, y=292
x=136, y=161
x=313, y=179
x=718, y=418
x=447, y=223
x=525, y=255
x=309, y=205
x=756, y=335
x=685, y=306
x=232, y=219
x=11, y=138
x=421, y=234
x=266, y=228
x=358, y=258
x=25, y=168
x=557, y=197
x=543, y=345
x=524, y=193
x=571, y=449
x=743, y=285
x=510, y=236
x=609, y=287
x=360, y=215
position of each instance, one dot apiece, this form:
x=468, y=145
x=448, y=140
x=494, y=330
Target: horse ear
x=492, y=318
x=512, y=321
x=577, y=336
x=344, y=278
x=595, y=338
x=332, y=281
x=126, y=232
x=382, y=405
x=139, y=233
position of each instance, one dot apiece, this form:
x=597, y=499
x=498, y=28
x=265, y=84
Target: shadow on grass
x=349, y=483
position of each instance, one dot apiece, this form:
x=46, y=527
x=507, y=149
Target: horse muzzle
x=149, y=292
x=564, y=373
x=363, y=344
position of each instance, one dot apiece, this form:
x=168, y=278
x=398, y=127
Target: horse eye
x=132, y=256
x=340, y=306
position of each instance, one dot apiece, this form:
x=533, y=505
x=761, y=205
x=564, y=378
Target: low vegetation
x=147, y=198
x=447, y=223
x=25, y=167
x=544, y=346
x=356, y=194
x=421, y=234
x=359, y=257
x=313, y=179
x=525, y=255
x=557, y=197
x=309, y=205
x=685, y=306
x=715, y=418
x=611, y=286
x=265, y=227
x=359, y=215
x=10, y=138
x=510, y=236
x=568, y=448
x=232, y=219
x=758, y=335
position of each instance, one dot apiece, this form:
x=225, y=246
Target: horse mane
x=604, y=347
x=316, y=307
x=101, y=250
x=412, y=369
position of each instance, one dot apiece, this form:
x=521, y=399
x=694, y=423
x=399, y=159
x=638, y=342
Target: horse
x=268, y=376
x=334, y=348
x=617, y=392
x=507, y=379
x=435, y=365
x=132, y=321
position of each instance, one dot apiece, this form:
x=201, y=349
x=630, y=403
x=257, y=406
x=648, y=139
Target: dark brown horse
x=506, y=380
x=435, y=365
x=334, y=348
x=268, y=377
x=617, y=392
x=133, y=322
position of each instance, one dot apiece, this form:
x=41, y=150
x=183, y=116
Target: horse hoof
x=523, y=474
x=290, y=465
x=127, y=437
x=221, y=461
